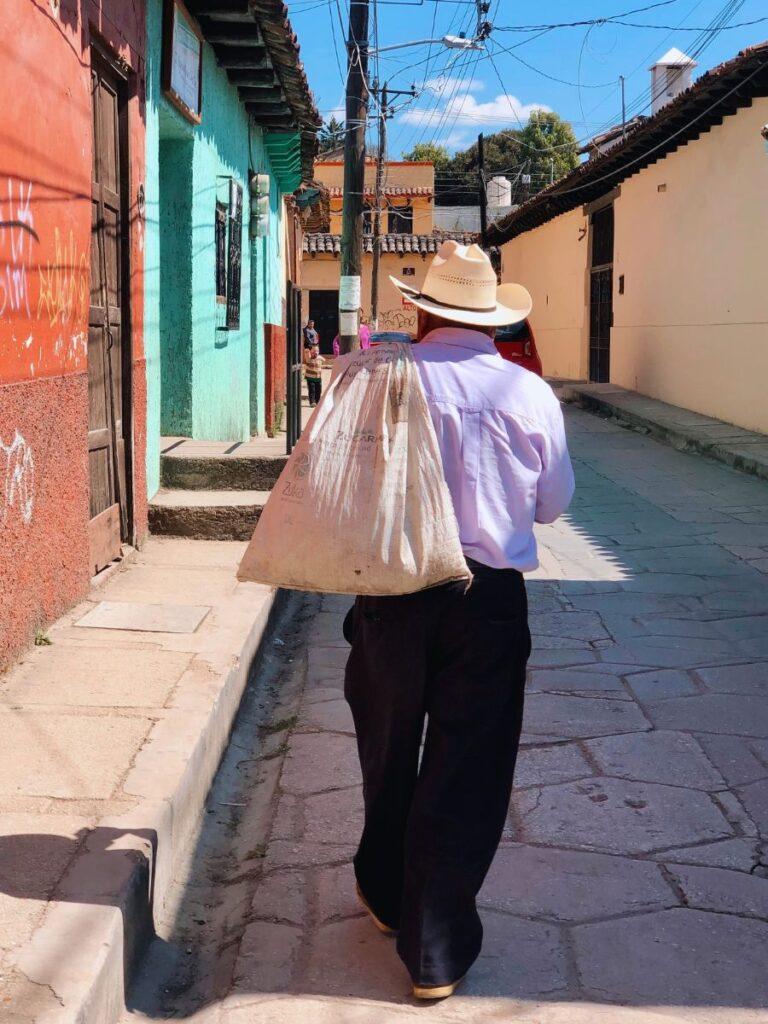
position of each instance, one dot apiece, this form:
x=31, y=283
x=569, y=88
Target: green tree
x=431, y=151
x=502, y=152
x=331, y=135
x=550, y=148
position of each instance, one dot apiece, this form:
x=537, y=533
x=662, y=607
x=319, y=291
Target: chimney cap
x=674, y=58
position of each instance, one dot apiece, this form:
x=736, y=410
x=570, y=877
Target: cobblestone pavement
x=631, y=885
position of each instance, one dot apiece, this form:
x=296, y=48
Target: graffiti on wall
x=63, y=283
x=17, y=479
x=17, y=233
x=397, y=320
x=49, y=289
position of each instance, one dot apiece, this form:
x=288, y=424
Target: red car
x=517, y=344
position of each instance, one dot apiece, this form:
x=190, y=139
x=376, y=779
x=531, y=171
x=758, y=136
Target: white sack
x=362, y=506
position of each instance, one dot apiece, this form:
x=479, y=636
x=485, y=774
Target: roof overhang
x=255, y=44
x=715, y=96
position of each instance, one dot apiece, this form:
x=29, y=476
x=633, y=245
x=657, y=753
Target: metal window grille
x=234, y=254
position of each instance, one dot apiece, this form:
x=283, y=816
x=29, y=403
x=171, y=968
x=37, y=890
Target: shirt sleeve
x=556, y=482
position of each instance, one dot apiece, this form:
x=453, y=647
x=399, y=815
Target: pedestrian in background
x=311, y=337
x=313, y=372
x=363, y=333
x=453, y=655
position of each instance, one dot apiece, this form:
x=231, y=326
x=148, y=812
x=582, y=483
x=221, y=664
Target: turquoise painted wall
x=202, y=381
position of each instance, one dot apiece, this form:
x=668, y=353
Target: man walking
x=451, y=655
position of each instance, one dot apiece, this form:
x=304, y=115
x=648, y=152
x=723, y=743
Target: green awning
x=284, y=150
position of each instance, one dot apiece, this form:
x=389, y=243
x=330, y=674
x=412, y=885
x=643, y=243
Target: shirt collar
x=461, y=337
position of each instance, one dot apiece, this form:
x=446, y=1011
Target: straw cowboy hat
x=461, y=286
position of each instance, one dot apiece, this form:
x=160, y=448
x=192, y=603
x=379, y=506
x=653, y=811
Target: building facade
x=408, y=241
x=72, y=372
x=644, y=263
x=218, y=165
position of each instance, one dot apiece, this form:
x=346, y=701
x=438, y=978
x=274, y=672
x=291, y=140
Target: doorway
x=324, y=310
x=601, y=295
x=109, y=350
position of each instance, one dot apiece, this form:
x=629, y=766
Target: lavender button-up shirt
x=502, y=442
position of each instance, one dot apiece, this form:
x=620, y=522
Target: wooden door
x=106, y=322
x=601, y=296
x=324, y=310
x=600, y=321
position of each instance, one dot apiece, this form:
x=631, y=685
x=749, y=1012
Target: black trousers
x=456, y=658
x=314, y=389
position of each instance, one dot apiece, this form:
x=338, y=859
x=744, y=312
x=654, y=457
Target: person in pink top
x=363, y=333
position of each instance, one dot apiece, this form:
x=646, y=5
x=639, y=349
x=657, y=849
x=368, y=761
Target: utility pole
x=482, y=194
x=354, y=176
x=384, y=114
x=623, y=109
x=380, y=158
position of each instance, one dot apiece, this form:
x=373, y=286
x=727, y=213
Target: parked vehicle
x=517, y=344
x=386, y=337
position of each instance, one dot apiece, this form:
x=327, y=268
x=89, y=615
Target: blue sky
x=461, y=95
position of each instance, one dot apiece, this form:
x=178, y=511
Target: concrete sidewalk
x=109, y=739
x=631, y=886
x=745, y=450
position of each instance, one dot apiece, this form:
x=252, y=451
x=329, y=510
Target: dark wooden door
x=601, y=296
x=600, y=320
x=107, y=428
x=324, y=310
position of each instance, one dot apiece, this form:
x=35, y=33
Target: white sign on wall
x=349, y=292
x=182, y=60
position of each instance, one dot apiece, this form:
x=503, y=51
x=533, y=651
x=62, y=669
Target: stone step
x=220, y=472
x=206, y=514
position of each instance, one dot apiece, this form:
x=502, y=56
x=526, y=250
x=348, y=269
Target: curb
x=85, y=951
x=732, y=454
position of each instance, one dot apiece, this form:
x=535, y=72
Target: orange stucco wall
x=405, y=174
x=45, y=258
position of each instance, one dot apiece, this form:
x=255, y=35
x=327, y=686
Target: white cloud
x=446, y=84
x=504, y=110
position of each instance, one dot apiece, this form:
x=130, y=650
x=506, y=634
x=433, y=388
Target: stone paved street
x=631, y=886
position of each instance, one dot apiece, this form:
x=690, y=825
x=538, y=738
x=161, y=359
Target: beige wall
x=551, y=262
x=692, y=325
x=323, y=272
x=691, y=234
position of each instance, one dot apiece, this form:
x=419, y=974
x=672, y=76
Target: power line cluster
x=445, y=78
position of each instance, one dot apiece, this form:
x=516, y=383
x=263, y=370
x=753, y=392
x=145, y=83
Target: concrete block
x=99, y=676
x=661, y=685
x=67, y=756
x=576, y=717
x=335, y=817
x=732, y=714
x=318, y=762
x=142, y=617
x=618, y=816
x=673, y=758
x=280, y=897
x=727, y=892
x=736, y=854
x=677, y=957
x=750, y=680
x=329, y=716
x=569, y=886
x=543, y=766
